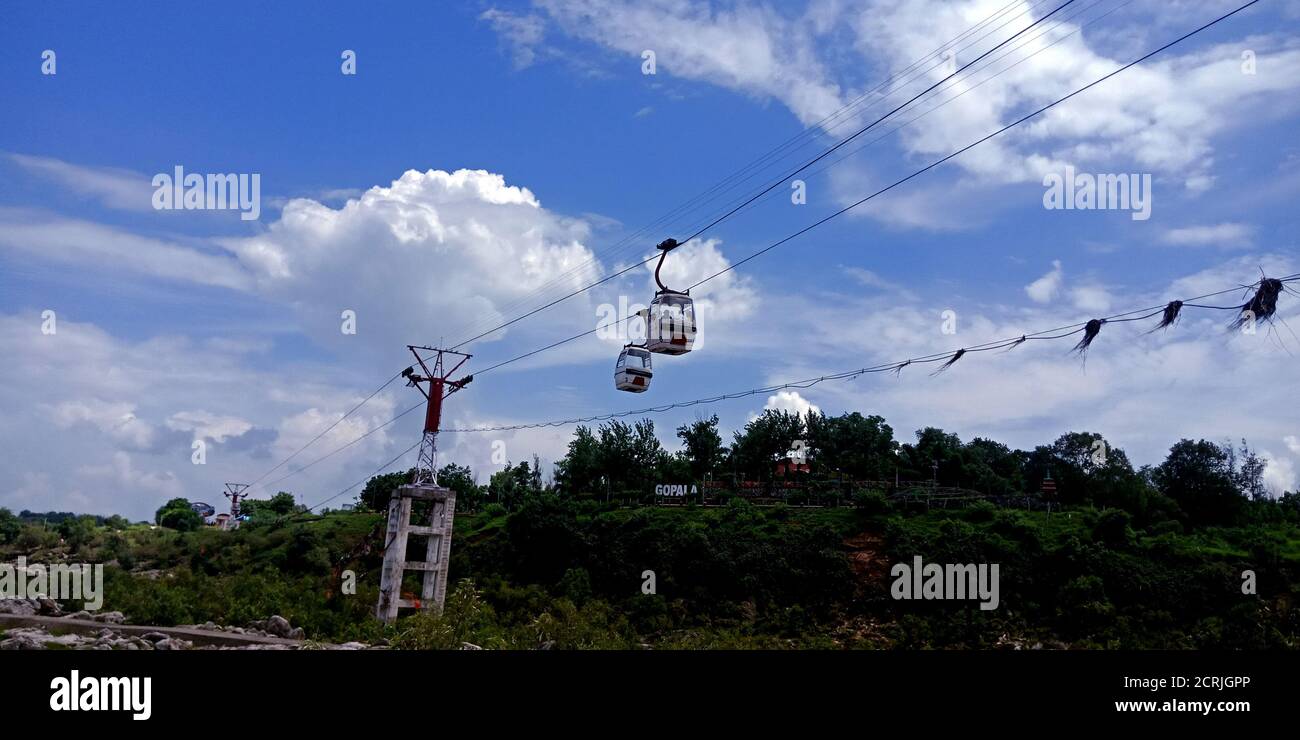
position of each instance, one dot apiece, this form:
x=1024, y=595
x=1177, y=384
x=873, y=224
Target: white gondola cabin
x=670, y=323
x=633, y=371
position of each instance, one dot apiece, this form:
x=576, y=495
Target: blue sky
x=483, y=149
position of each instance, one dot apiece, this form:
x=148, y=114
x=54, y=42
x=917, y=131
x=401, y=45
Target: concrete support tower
x=436, y=505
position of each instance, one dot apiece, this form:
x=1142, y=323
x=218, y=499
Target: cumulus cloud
x=112, y=430
x=434, y=254
x=115, y=419
x=791, y=402
x=723, y=304
x=1292, y=443
x=207, y=425
x=1134, y=390
x=1279, y=473
x=122, y=474
x=1045, y=288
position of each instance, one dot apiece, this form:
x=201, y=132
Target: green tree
x=510, y=485
x=1248, y=470
x=855, y=446
x=10, y=526
x=933, y=445
x=380, y=488
x=704, y=450
x=461, y=480
x=262, y=510
x=993, y=468
x=1199, y=476
x=77, y=532
x=579, y=471
x=116, y=523
x=631, y=458
x=177, y=514
x=764, y=441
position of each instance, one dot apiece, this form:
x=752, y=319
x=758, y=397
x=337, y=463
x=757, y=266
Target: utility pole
x=435, y=384
x=235, y=492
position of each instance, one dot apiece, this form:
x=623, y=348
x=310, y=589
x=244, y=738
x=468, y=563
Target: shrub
x=871, y=502
x=1112, y=528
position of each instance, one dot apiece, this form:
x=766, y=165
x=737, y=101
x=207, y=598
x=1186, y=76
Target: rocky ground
x=108, y=638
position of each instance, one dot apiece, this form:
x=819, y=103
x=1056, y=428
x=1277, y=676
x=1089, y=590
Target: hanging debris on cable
x=1261, y=306
x=1170, y=316
x=951, y=361
x=1090, y=332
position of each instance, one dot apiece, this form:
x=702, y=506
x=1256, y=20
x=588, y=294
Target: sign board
x=675, y=490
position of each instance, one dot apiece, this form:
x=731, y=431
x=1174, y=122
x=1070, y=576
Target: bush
x=1112, y=528
x=176, y=514
x=10, y=526
x=33, y=537
x=871, y=502
x=1169, y=526
x=465, y=617
x=981, y=511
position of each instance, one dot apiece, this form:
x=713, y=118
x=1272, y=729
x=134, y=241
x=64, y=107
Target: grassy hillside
x=565, y=574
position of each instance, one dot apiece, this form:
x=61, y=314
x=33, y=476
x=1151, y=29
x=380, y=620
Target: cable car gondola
x=633, y=371
x=670, y=322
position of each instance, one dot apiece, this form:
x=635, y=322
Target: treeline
x=1147, y=557
x=1199, y=482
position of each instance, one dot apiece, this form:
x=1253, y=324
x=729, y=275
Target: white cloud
x=116, y=188
x=111, y=430
x=790, y=401
x=207, y=425
x=115, y=419
x=1134, y=390
x=1279, y=473
x=524, y=33
x=433, y=256
x=121, y=474
x=89, y=245
x=1160, y=117
x=1045, y=288
x=749, y=48
x=1292, y=443
x=1091, y=298
x=1226, y=235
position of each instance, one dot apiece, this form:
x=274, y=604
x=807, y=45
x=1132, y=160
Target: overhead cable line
x=971, y=88
x=1060, y=332
x=800, y=139
x=336, y=450
x=774, y=183
x=893, y=185
x=327, y=429
x=873, y=124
